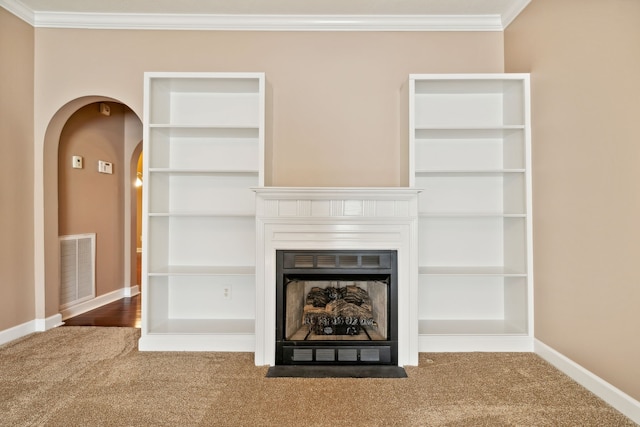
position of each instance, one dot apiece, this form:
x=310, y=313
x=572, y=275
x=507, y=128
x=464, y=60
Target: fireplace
x=336, y=307
x=346, y=222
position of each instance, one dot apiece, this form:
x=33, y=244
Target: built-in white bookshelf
x=203, y=154
x=469, y=144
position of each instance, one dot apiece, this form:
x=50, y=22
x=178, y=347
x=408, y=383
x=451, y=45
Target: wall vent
x=77, y=269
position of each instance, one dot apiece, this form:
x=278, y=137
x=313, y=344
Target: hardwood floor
x=124, y=312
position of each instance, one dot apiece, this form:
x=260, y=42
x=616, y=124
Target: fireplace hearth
x=336, y=307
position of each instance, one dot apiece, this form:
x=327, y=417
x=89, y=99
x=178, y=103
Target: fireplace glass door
x=336, y=307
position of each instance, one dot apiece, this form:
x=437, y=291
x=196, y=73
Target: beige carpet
x=92, y=376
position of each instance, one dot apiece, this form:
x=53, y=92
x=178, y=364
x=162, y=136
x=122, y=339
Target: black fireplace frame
x=345, y=352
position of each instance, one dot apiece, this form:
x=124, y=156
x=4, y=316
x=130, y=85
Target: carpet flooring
x=95, y=376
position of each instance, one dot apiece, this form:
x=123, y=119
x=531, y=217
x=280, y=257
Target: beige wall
x=584, y=56
x=16, y=174
x=333, y=99
x=89, y=201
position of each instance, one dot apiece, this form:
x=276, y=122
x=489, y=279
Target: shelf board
x=469, y=327
x=465, y=132
x=462, y=172
x=204, y=126
x=204, y=326
x=470, y=271
x=203, y=270
x=204, y=171
x=470, y=215
x=204, y=214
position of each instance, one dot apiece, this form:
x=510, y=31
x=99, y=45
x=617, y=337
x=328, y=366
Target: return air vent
x=77, y=269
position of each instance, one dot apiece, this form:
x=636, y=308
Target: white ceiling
x=493, y=14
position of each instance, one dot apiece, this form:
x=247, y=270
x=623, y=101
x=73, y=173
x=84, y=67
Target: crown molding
x=140, y=21
x=242, y=22
x=269, y=22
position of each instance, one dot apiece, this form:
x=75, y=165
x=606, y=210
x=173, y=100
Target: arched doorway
x=130, y=131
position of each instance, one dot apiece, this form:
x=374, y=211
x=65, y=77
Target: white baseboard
x=36, y=325
x=131, y=291
x=610, y=394
x=41, y=325
x=54, y=321
x=17, y=332
x=99, y=301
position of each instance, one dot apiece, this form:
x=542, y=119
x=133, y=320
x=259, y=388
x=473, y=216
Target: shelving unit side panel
x=515, y=244
x=156, y=188
x=514, y=101
x=158, y=149
x=514, y=192
x=158, y=94
x=157, y=295
x=156, y=244
x=514, y=149
x=516, y=304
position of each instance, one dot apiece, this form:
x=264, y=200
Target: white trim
x=140, y=21
x=144, y=21
x=266, y=22
x=24, y=329
x=96, y=302
x=607, y=392
x=131, y=291
x=17, y=332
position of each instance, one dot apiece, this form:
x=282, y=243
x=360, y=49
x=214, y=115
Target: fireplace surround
x=336, y=219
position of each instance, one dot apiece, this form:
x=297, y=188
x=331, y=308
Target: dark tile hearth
x=331, y=371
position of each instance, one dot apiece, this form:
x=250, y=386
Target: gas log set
x=338, y=311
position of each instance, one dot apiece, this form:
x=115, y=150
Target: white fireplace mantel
x=336, y=218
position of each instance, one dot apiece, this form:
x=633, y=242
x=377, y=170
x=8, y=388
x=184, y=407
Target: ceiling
x=494, y=14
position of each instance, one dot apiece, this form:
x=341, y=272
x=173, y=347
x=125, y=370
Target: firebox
x=336, y=307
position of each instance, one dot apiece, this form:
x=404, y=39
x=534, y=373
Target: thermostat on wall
x=105, y=167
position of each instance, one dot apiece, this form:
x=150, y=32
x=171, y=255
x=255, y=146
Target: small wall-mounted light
x=138, y=179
